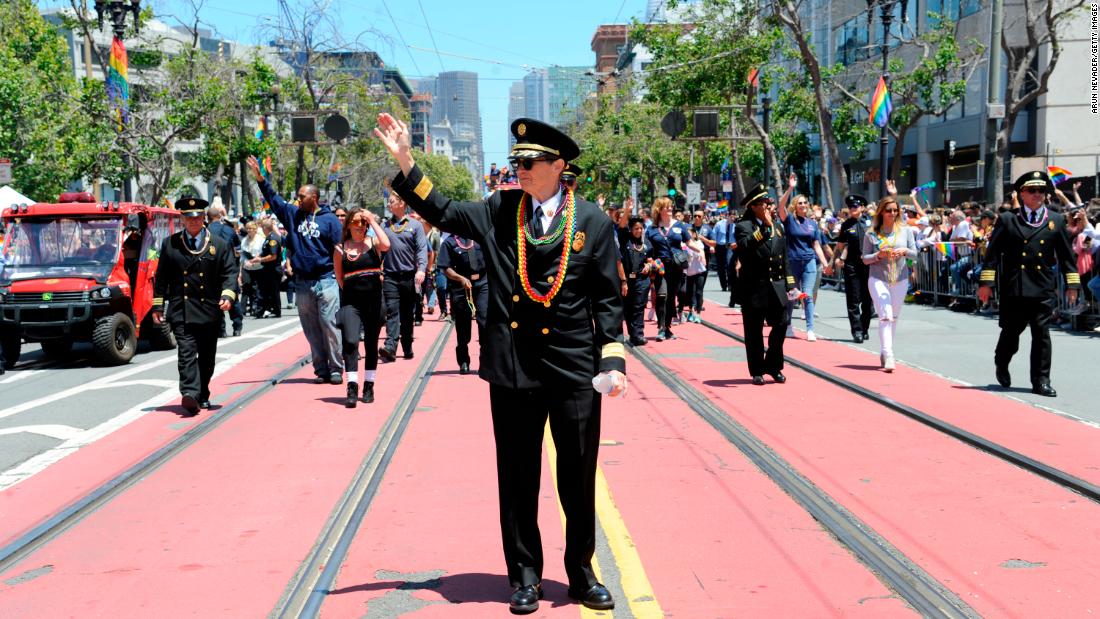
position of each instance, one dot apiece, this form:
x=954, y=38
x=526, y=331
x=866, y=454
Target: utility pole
x=994, y=186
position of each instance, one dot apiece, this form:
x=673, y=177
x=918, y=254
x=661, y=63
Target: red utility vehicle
x=80, y=270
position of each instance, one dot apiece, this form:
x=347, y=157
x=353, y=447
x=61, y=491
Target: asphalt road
x=49, y=408
x=960, y=347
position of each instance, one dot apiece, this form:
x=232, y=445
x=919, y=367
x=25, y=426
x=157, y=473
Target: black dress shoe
x=463, y=368
x=758, y=380
x=353, y=395
x=190, y=404
x=1004, y=378
x=386, y=355
x=597, y=597
x=236, y=332
x=1044, y=389
x=368, y=392
x=408, y=355
x=319, y=380
x=638, y=341
x=525, y=599
x=779, y=378
x=857, y=338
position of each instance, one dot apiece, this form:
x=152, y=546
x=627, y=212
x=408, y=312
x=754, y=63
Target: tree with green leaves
x=41, y=129
x=450, y=179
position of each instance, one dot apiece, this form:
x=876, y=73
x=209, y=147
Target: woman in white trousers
x=888, y=248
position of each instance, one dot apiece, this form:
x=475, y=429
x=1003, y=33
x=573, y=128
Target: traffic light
x=671, y=186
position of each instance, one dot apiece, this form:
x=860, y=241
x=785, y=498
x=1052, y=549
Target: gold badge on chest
x=578, y=241
x=212, y=250
x=1050, y=224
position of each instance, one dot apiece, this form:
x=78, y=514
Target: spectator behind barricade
x=313, y=232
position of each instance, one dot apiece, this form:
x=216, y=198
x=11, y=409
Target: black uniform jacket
x=526, y=345
x=469, y=263
x=273, y=246
x=194, y=283
x=763, y=257
x=1026, y=256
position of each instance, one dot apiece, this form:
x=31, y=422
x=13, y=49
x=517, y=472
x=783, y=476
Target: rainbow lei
x=523, y=237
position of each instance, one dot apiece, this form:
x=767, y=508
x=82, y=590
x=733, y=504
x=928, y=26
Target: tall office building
x=568, y=88
x=517, y=108
x=536, y=95
x=455, y=99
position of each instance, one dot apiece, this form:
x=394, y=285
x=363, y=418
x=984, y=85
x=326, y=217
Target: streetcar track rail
x=912, y=583
x=17, y=550
x=1050, y=473
x=311, y=583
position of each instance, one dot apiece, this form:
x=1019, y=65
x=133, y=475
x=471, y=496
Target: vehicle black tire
x=11, y=343
x=57, y=348
x=160, y=336
x=114, y=339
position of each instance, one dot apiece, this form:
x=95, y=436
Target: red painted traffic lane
x=30, y=501
x=717, y=537
x=431, y=540
x=219, y=530
x=1052, y=439
x=1008, y=542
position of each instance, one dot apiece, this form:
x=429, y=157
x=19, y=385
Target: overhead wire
x=431, y=34
x=401, y=36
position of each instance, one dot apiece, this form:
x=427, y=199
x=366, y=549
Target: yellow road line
x=632, y=577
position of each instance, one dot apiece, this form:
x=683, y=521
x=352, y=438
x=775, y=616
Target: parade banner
x=881, y=106
x=118, y=83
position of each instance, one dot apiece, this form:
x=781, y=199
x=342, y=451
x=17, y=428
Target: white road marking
x=57, y=431
x=40, y=462
x=18, y=375
x=163, y=383
x=105, y=380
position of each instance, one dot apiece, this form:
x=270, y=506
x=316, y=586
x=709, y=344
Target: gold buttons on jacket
x=545, y=331
x=515, y=298
x=550, y=280
x=515, y=325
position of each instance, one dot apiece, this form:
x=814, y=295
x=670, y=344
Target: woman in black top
x=358, y=267
x=636, y=255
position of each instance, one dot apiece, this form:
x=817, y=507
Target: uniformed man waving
x=554, y=320
x=1025, y=247
x=197, y=279
x=762, y=284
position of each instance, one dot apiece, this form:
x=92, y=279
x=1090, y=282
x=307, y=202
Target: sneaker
x=661, y=336
x=336, y=378
x=810, y=337
x=790, y=332
x=888, y=363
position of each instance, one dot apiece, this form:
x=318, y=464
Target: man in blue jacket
x=313, y=232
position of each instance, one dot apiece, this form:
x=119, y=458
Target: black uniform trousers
x=637, y=295
x=197, y=347
x=1016, y=314
x=721, y=259
x=268, y=287
x=463, y=318
x=775, y=314
x=519, y=416
x=731, y=277
x=399, y=291
x=858, y=297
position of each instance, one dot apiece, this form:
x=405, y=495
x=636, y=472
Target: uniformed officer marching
x=1025, y=247
x=197, y=279
x=554, y=321
x=271, y=272
x=856, y=274
x=762, y=284
x=463, y=263
x=570, y=175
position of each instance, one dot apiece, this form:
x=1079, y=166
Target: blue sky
x=536, y=34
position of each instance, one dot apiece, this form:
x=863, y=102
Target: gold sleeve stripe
x=423, y=188
x=989, y=275
x=1073, y=278
x=614, y=349
x=158, y=300
x=790, y=280
x=756, y=235
x=230, y=294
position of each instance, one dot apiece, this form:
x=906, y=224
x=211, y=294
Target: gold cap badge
x=521, y=129
x=578, y=241
x=190, y=203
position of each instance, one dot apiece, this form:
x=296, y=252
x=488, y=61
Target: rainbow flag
x=261, y=128
x=118, y=83
x=1057, y=174
x=881, y=106
x=947, y=249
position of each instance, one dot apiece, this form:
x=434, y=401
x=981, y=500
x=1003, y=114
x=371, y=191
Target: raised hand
x=891, y=187
x=254, y=165
x=792, y=181
x=395, y=136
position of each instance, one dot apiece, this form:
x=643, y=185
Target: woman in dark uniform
x=358, y=267
x=667, y=236
x=636, y=254
x=463, y=263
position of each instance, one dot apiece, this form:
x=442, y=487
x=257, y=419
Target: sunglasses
x=357, y=222
x=1033, y=190
x=527, y=164
x=889, y=210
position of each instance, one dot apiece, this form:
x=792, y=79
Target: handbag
x=679, y=257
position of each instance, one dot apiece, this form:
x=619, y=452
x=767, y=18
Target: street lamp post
x=117, y=11
x=886, y=14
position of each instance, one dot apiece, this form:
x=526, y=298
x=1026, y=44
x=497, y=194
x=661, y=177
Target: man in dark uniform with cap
x=554, y=322
x=197, y=277
x=1031, y=248
x=463, y=263
x=762, y=284
x=570, y=175
x=856, y=274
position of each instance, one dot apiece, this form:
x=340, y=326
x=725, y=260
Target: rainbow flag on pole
x=261, y=128
x=947, y=249
x=881, y=106
x=1057, y=174
x=118, y=83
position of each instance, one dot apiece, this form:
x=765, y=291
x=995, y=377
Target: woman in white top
x=251, y=246
x=696, y=273
x=888, y=247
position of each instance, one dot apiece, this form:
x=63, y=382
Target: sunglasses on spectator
x=357, y=222
x=527, y=164
x=889, y=210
